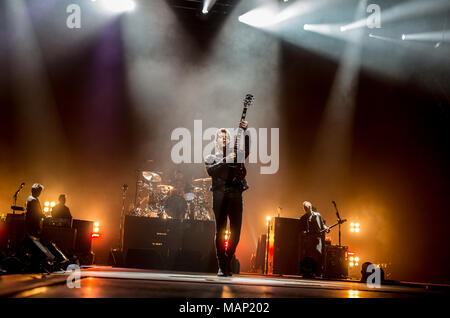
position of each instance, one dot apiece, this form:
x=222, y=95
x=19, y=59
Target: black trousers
x=227, y=206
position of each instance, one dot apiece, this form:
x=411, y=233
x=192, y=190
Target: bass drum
x=176, y=206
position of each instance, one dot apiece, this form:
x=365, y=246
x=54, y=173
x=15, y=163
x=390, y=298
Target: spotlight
x=96, y=231
x=118, y=6
x=207, y=5
x=354, y=227
x=268, y=218
x=262, y=17
x=353, y=294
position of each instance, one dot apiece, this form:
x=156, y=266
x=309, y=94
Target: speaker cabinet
x=145, y=258
x=83, y=241
x=63, y=237
x=336, y=262
x=170, y=244
x=284, y=246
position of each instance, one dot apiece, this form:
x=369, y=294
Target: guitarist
x=227, y=186
x=312, y=230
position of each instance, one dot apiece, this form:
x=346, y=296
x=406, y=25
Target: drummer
x=179, y=182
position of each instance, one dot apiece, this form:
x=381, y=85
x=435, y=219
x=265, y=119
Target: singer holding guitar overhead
x=227, y=195
x=227, y=170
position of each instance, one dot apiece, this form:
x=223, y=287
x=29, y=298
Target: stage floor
x=105, y=282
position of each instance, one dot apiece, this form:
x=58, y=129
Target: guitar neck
x=237, y=138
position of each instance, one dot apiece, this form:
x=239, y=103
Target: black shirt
x=216, y=166
x=34, y=215
x=61, y=211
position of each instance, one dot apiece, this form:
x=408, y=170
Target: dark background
x=81, y=110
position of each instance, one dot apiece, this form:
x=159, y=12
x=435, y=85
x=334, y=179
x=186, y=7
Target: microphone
x=125, y=187
x=20, y=188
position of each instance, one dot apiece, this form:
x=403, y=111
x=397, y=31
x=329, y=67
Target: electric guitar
x=236, y=171
x=337, y=223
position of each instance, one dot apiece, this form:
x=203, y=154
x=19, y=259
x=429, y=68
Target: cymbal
x=151, y=176
x=202, y=179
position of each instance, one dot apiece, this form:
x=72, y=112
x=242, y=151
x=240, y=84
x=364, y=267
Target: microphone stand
x=122, y=215
x=339, y=221
x=15, y=197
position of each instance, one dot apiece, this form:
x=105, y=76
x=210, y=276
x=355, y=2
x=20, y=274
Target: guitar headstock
x=248, y=100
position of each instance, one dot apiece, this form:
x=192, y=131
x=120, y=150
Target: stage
x=108, y=282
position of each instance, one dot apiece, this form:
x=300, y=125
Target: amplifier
x=15, y=229
x=284, y=246
x=171, y=244
x=63, y=237
x=83, y=241
x=336, y=264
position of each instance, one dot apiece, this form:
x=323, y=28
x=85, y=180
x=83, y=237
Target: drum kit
x=155, y=198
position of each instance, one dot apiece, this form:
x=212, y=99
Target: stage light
x=207, y=5
x=353, y=294
x=47, y=203
x=46, y=209
x=227, y=236
x=351, y=264
x=118, y=6
x=268, y=218
x=261, y=17
x=96, y=230
x=52, y=204
x=354, y=227
x=434, y=36
x=356, y=259
x=351, y=258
